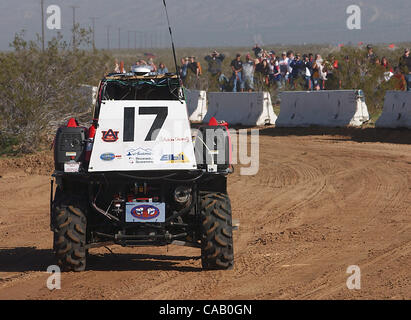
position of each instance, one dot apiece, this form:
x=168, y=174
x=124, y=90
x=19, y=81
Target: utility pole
x=128, y=40
x=74, y=26
x=42, y=24
x=135, y=40
x=93, y=19
x=108, y=37
x=119, y=38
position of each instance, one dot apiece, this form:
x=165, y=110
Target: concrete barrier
x=330, y=108
x=397, y=110
x=196, y=104
x=241, y=108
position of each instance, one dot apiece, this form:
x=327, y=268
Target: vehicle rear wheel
x=217, y=251
x=69, y=241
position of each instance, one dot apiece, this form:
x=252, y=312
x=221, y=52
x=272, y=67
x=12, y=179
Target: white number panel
x=142, y=135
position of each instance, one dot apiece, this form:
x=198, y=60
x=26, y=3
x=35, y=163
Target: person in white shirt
x=284, y=66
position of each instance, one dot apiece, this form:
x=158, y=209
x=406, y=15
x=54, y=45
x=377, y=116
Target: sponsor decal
x=140, y=155
x=145, y=212
x=171, y=158
x=141, y=152
x=110, y=135
x=177, y=139
x=72, y=167
x=108, y=156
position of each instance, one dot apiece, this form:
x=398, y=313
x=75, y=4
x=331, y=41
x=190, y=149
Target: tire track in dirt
x=317, y=205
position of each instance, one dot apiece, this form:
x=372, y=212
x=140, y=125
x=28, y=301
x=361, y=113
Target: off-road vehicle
x=141, y=176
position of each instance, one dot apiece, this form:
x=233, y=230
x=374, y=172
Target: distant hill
x=220, y=23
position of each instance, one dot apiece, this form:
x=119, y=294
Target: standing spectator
x=319, y=75
x=307, y=72
x=284, y=68
x=215, y=61
x=274, y=67
x=194, y=67
x=184, y=69
x=405, y=67
x=237, y=67
x=388, y=71
x=263, y=69
x=152, y=65
x=193, y=74
x=386, y=64
x=116, y=66
x=291, y=58
x=257, y=51
x=297, y=66
x=162, y=69
x=370, y=53
x=311, y=58
x=248, y=73
x=399, y=80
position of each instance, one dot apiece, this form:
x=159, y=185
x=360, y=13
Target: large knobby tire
x=217, y=251
x=69, y=239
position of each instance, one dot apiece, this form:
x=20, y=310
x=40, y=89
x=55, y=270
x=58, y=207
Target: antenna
x=93, y=20
x=172, y=40
x=42, y=25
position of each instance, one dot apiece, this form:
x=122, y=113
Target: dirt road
x=319, y=204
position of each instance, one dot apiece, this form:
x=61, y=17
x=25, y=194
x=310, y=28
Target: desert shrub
x=42, y=89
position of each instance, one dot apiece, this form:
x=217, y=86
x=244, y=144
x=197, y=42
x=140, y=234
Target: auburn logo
x=110, y=136
x=145, y=212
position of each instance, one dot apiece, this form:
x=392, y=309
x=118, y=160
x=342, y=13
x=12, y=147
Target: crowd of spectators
x=289, y=68
x=284, y=71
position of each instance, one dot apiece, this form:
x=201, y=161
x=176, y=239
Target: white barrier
x=397, y=110
x=331, y=108
x=196, y=104
x=241, y=108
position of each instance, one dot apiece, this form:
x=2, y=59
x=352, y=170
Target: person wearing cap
x=405, y=67
x=248, y=73
x=215, y=61
x=237, y=67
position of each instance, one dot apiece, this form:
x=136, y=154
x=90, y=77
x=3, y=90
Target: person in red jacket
x=399, y=80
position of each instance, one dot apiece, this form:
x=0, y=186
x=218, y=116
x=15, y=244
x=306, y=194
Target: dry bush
x=42, y=89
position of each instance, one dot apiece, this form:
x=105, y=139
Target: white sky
x=210, y=23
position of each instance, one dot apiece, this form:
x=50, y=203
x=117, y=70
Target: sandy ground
x=320, y=203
